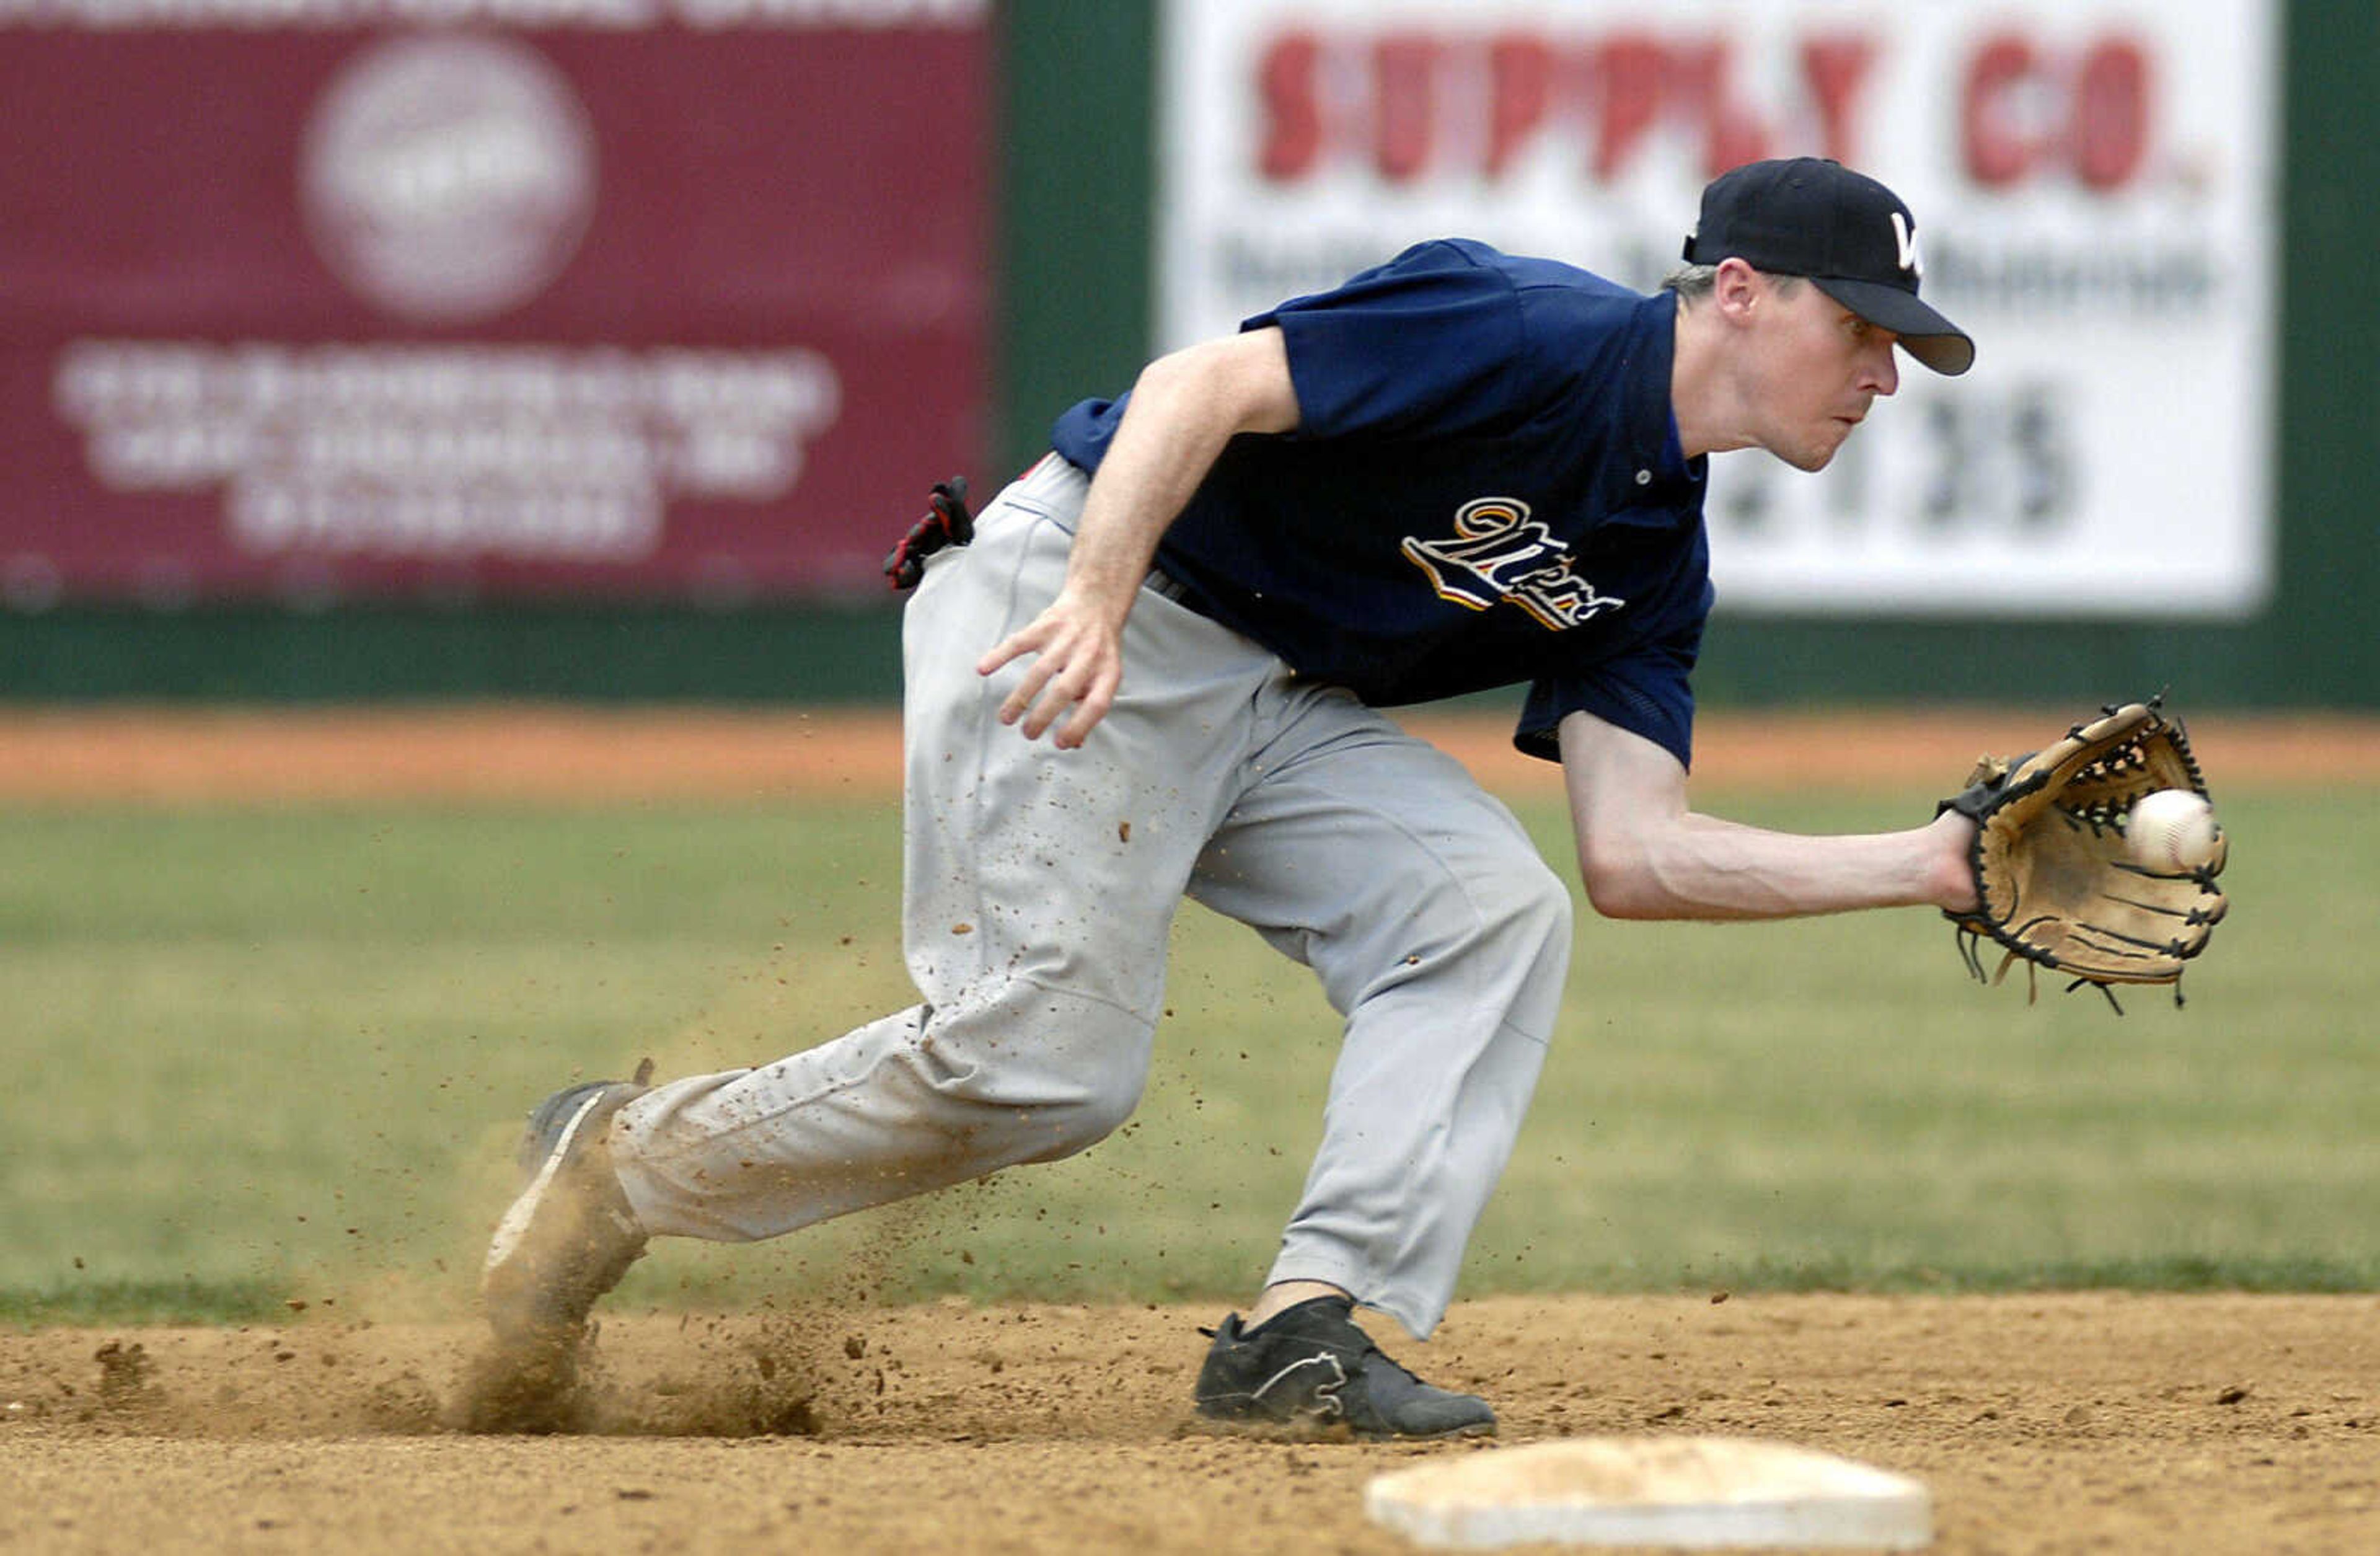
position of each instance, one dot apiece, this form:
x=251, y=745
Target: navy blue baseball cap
x=1852, y=236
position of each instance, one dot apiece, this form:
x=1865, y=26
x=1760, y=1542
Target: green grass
x=259, y=1057
x=83, y=1301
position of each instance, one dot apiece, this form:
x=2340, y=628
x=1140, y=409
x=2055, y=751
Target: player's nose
x=1882, y=375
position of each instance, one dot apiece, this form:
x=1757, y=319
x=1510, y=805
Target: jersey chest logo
x=1498, y=555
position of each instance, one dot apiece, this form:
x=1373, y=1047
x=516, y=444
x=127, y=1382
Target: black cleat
x=1309, y=1366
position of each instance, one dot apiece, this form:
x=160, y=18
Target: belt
x=1162, y=582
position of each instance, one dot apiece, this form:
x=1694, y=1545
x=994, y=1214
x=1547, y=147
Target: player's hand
x=1953, y=875
x=1078, y=664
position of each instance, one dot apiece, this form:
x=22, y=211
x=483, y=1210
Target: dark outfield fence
x=1073, y=236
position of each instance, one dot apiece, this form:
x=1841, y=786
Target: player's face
x=1820, y=366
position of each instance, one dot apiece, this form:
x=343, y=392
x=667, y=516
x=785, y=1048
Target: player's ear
x=1737, y=290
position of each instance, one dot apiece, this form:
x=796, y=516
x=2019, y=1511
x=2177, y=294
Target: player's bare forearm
x=1701, y=867
x=1185, y=409
x=1644, y=853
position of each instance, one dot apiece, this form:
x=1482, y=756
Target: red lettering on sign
x=1998, y=149
x=2022, y=112
x=1702, y=76
x=1631, y=79
x=2111, y=113
x=1405, y=67
x=1836, y=70
x=1286, y=85
x=1409, y=104
x=1519, y=89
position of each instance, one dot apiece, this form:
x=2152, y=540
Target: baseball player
x=1154, y=668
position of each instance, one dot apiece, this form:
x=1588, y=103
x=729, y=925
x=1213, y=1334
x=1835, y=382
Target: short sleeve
x=1429, y=342
x=1647, y=692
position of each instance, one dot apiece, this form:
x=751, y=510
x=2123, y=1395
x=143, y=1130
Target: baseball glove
x=2057, y=884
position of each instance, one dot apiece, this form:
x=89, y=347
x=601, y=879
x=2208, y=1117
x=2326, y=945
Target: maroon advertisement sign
x=660, y=300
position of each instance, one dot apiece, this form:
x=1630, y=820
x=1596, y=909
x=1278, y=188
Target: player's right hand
x=1078, y=664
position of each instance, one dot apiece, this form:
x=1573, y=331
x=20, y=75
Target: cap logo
x=1905, y=242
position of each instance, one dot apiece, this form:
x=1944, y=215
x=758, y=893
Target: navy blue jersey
x=1486, y=487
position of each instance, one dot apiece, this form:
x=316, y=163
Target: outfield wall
x=1076, y=240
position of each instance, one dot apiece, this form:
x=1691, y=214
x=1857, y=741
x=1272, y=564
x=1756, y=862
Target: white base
x=1690, y=1492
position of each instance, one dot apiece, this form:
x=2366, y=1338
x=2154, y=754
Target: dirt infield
x=2066, y=1423
x=558, y=754
x=2071, y=1423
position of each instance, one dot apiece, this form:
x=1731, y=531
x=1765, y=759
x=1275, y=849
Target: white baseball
x=2172, y=829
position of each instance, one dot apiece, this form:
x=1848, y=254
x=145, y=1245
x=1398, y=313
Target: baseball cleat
x=1310, y=1367
x=571, y=1235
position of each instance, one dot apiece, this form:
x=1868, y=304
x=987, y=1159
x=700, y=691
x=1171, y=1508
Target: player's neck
x=1703, y=394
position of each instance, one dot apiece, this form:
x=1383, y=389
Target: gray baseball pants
x=1039, y=891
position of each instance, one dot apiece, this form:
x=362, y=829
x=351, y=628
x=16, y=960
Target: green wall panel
x=1078, y=161
x=2320, y=643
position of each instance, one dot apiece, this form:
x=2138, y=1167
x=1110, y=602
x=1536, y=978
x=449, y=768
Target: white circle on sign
x=447, y=179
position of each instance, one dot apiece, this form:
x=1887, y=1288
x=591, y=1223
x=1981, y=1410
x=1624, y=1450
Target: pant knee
x=1039, y=1090
x=1510, y=907
x=1044, y=1118
x=1505, y=940
x=1067, y=1127
x=1539, y=912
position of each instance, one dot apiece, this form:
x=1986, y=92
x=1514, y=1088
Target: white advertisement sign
x=2095, y=186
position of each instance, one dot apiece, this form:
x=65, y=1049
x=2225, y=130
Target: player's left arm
x=1645, y=852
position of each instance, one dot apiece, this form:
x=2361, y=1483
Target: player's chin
x=1818, y=450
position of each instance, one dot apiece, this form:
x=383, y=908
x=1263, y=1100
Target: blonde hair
x=1694, y=282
